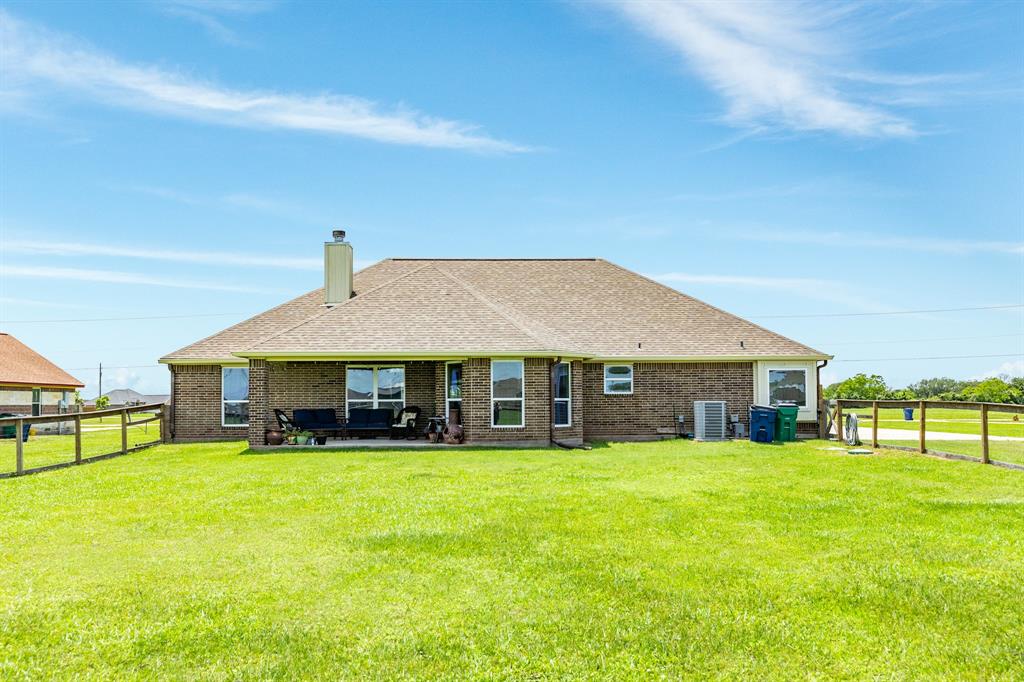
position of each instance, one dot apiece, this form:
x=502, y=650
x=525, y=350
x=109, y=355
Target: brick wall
x=660, y=391
x=196, y=394
x=476, y=403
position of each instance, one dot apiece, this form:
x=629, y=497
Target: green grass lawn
x=671, y=559
x=45, y=450
x=950, y=421
x=1001, y=450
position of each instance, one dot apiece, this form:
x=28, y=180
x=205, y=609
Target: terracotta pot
x=274, y=437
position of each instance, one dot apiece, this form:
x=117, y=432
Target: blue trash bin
x=908, y=414
x=762, y=424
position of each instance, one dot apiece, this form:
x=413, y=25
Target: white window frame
x=604, y=377
x=522, y=420
x=447, y=377
x=567, y=401
x=37, y=401
x=376, y=392
x=223, y=402
x=768, y=384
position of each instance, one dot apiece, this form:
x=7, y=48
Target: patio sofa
x=324, y=419
x=366, y=420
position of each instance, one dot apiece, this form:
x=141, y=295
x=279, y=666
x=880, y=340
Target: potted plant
x=302, y=437
x=291, y=436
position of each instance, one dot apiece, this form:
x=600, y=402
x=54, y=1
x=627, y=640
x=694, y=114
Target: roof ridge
x=331, y=308
x=705, y=303
x=502, y=310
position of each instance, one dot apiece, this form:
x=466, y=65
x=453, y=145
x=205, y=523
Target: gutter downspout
x=822, y=423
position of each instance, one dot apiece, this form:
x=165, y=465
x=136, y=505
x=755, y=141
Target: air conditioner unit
x=709, y=419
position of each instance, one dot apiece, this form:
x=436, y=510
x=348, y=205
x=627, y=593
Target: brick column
x=258, y=407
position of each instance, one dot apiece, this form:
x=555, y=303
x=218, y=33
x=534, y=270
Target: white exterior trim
x=604, y=378
x=223, y=401
x=522, y=422
x=376, y=393
x=807, y=413
x=567, y=401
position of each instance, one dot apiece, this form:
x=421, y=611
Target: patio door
x=374, y=387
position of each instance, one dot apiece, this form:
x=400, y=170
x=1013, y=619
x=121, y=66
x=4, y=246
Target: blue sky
x=186, y=160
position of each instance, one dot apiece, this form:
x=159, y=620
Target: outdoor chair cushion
x=366, y=419
x=317, y=420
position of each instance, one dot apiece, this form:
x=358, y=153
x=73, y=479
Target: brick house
x=524, y=351
x=29, y=383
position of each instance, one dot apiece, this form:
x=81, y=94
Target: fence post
x=19, y=463
x=984, y=434
x=839, y=421
x=124, y=430
x=874, y=423
x=921, y=444
x=78, y=438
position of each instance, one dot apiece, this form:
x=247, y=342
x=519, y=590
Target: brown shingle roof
x=21, y=365
x=584, y=307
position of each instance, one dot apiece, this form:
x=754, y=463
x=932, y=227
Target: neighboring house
x=126, y=397
x=520, y=350
x=29, y=383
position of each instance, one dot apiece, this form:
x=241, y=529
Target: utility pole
x=101, y=380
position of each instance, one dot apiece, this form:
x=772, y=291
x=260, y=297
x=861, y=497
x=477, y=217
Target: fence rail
x=125, y=413
x=922, y=407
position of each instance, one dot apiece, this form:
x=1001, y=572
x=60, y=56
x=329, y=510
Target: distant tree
x=931, y=388
x=78, y=399
x=993, y=390
x=900, y=394
x=859, y=387
x=102, y=402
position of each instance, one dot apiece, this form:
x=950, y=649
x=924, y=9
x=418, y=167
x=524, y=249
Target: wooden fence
x=922, y=407
x=158, y=410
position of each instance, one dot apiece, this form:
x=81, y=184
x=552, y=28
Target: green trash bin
x=785, y=422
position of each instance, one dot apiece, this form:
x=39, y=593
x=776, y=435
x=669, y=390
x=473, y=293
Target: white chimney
x=337, y=269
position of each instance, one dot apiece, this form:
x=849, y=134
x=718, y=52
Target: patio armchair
x=405, y=424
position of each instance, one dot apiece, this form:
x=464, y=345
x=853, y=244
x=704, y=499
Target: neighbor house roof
x=586, y=308
x=123, y=396
x=20, y=365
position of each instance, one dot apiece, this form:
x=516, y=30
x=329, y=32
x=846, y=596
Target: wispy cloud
x=1014, y=368
x=212, y=14
x=779, y=65
x=57, y=248
x=115, y=277
x=32, y=56
x=830, y=291
x=867, y=240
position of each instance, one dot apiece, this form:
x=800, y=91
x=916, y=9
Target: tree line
x=1000, y=389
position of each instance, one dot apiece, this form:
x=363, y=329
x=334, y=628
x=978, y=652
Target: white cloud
x=807, y=288
x=211, y=14
x=868, y=240
x=32, y=56
x=114, y=277
x=1014, y=368
x=56, y=248
x=779, y=65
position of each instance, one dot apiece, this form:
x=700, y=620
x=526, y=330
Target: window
x=37, y=402
x=234, y=391
x=507, y=393
x=453, y=386
x=563, y=394
x=375, y=387
x=787, y=386
x=618, y=379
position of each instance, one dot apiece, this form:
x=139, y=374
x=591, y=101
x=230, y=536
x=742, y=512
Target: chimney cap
x=339, y=235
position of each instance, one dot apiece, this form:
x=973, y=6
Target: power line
x=892, y=312
x=938, y=338
x=102, y=367
x=934, y=357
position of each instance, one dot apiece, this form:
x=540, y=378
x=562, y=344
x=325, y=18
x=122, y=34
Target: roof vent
x=339, y=235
